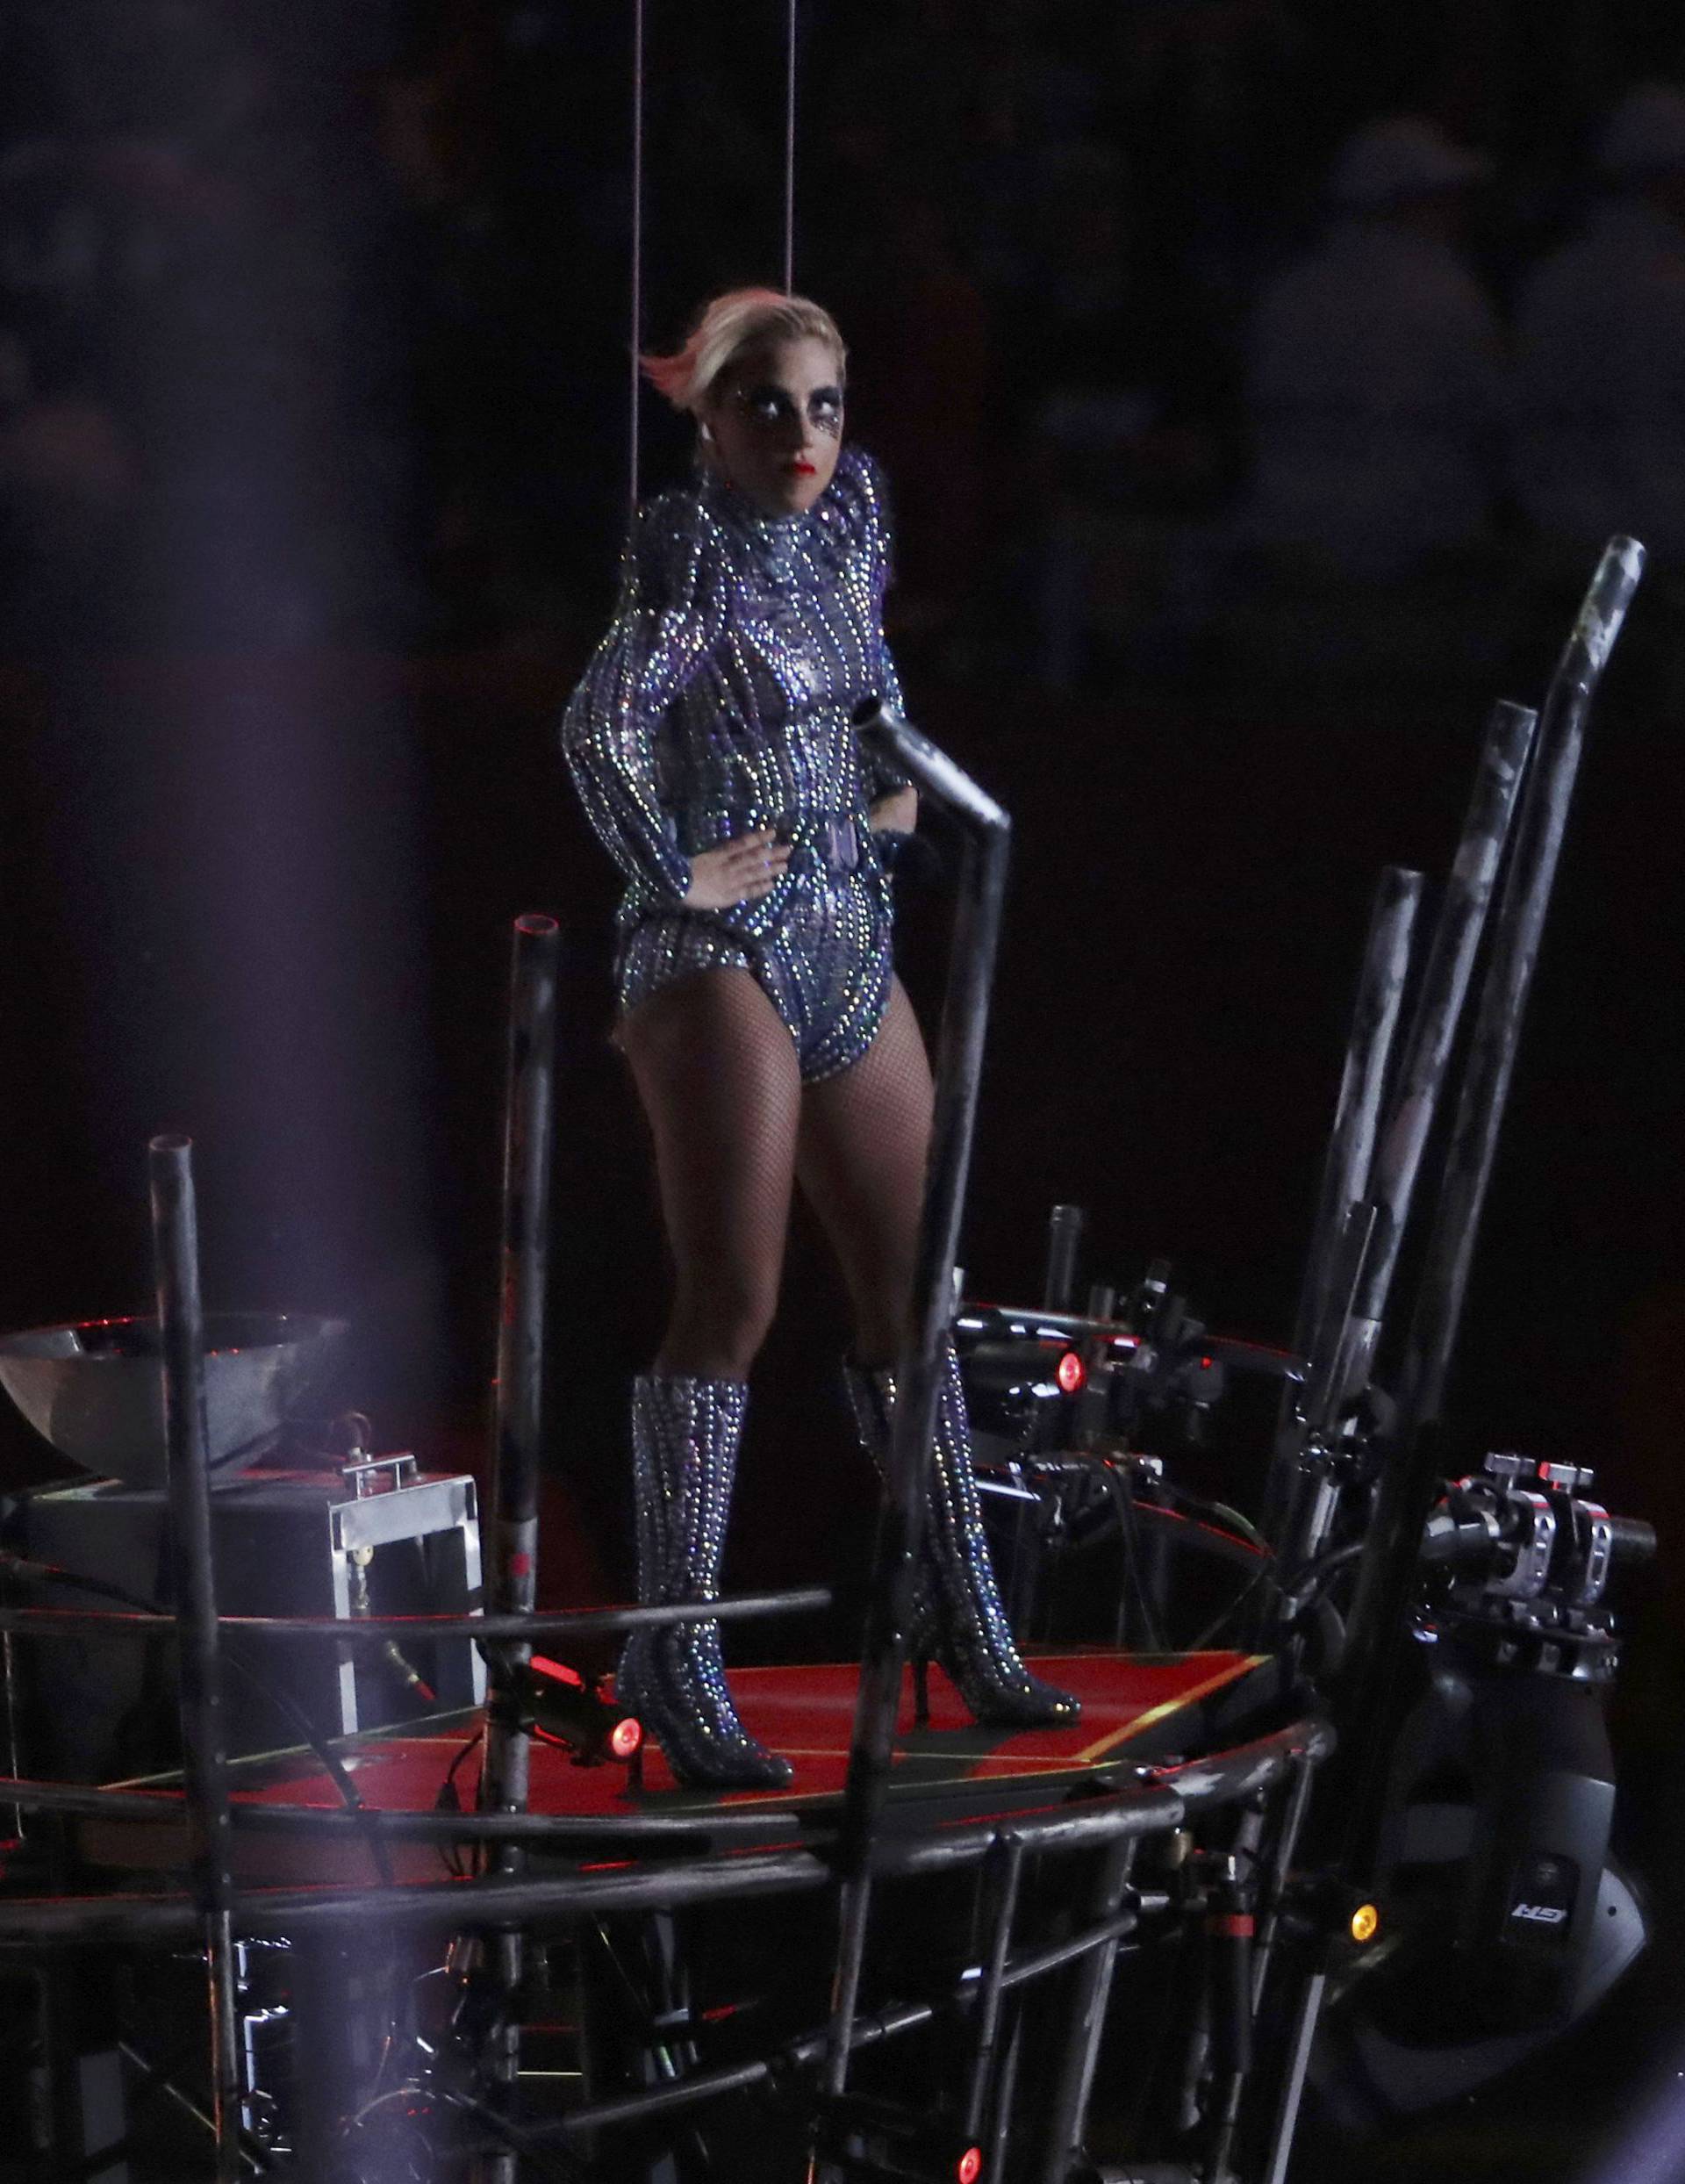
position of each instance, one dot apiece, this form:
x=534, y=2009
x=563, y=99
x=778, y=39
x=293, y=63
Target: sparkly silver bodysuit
x=721, y=700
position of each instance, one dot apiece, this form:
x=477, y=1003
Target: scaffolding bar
x=1010, y=1851
x=378, y=1630
x=872, y=2031
x=528, y=1104
x=1520, y=925
x=987, y=832
x=1375, y=1015
x=1505, y=753
x=1085, y=2019
x=1357, y=1115
x=151, y=1807
x=1154, y=1802
x=181, y=1322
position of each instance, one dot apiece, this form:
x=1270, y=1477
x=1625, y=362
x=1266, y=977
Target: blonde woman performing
x=770, y=1039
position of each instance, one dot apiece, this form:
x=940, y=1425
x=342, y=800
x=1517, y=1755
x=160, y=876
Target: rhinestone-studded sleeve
x=870, y=520
x=671, y=612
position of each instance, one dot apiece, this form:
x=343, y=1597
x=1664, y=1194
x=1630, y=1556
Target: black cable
x=1213, y=1628
x=157, y=2077
x=1317, y=1574
x=1129, y=1540
x=447, y=1801
x=1222, y=1518
x=1227, y=1518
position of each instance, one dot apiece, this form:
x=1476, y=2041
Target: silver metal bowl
x=95, y=1390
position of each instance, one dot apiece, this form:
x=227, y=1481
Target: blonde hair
x=741, y=318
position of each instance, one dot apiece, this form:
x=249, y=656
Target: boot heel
x=957, y=1613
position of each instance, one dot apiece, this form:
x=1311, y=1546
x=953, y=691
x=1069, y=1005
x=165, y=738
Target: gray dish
x=95, y=1390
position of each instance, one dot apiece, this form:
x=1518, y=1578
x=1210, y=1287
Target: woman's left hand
x=897, y=812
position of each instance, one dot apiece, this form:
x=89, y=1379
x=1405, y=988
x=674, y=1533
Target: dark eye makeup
x=769, y=403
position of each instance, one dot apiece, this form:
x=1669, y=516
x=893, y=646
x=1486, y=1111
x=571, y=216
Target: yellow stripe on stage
x=1227, y=1674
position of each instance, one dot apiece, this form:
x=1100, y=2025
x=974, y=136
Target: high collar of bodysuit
x=780, y=544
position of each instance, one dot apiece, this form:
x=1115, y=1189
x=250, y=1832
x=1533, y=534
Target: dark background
x=311, y=513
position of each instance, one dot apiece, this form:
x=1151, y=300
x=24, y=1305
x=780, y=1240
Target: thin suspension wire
x=790, y=153
x=633, y=463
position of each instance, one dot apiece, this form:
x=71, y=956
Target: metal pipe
x=607, y=1622
x=1498, y=777
x=959, y=1065
x=1159, y=1800
x=424, y=1908
x=1387, y=1570
x=1135, y=1811
x=1222, y=1778
x=1275, y=1884
x=1357, y=1114
x=14, y=1749
x=1497, y=1033
x=1011, y=1849
x=529, y=1103
x=1064, y=1241
x=803, y=2053
x=517, y=1415
x=1006, y=2094
x=180, y=1323
x=1306, y=2018
x=1086, y=2020
x=156, y=1807
x=1346, y=1169
x=1151, y=1803
x=1353, y=1305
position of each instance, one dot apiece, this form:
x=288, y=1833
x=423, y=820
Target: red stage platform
x=1138, y=1709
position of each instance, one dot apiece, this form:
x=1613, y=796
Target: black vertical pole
x=960, y=1067
x=1009, y=1855
x=1064, y=1241
x=1422, y=1073
x=1084, y=2021
x=1357, y=1115
x=1521, y=922
x=1387, y=1574
x=1344, y=1349
x=1350, y=1146
x=529, y=1123
x=181, y=1320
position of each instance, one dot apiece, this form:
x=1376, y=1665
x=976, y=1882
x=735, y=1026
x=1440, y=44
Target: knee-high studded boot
x=684, y=1437
x=957, y=1618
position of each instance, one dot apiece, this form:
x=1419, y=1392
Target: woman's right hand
x=740, y=871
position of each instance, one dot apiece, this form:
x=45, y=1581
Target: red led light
x=970, y=2165
x=1072, y=1374
x=625, y=1737
x=559, y=1670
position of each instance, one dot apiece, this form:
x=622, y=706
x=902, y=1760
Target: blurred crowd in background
x=1185, y=328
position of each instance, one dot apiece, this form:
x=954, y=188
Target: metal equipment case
x=378, y=1538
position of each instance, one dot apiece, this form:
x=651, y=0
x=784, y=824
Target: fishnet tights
x=734, y=1127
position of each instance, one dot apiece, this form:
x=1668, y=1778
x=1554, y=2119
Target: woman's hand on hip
x=897, y=812
x=740, y=871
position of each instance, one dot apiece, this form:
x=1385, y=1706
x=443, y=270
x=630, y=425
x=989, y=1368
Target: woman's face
x=774, y=423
